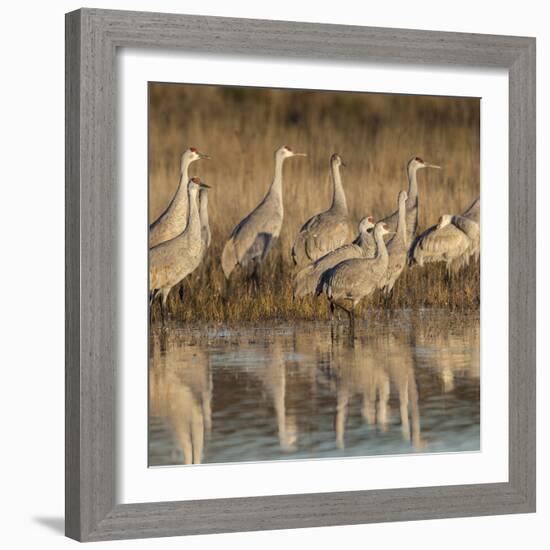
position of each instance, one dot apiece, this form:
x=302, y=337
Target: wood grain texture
x=91, y=324
x=522, y=274
x=92, y=37
x=224, y=35
x=72, y=276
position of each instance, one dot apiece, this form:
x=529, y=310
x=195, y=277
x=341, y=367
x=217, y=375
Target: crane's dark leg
x=388, y=295
x=255, y=276
x=181, y=292
x=350, y=314
x=351, y=332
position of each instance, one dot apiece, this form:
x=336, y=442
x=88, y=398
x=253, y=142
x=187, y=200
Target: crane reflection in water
x=410, y=384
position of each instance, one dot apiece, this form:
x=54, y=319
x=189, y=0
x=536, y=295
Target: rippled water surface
x=408, y=383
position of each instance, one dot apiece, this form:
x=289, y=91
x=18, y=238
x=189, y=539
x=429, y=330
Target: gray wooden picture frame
x=92, y=39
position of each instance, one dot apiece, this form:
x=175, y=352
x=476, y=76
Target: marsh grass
x=375, y=134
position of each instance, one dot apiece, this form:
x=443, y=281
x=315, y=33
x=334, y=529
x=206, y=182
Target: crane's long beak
x=428, y=165
x=300, y=154
x=204, y=186
x=204, y=156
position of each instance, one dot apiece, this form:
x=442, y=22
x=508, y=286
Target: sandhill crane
x=363, y=246
x=414, y=164
x=254, y=235
x=453, y=241
x=172, y=221
x=329, y=229
x=397, y=247
x=352, y=280
x=171, y=261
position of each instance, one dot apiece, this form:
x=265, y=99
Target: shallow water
x=408, y=383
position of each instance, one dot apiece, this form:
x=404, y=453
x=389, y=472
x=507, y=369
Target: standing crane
x=329, y=229
x=172, y=261
x=453, y=240
x=172, y=221
x=414, y=164
x=363, y=246
x=352, y=280
x=397, y=247
x=254, y=235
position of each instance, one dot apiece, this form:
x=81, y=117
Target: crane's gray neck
x=184, y=170
x=182, y=191
x=338, y=195
x=401, y=230
x=381, y=250
x=193, y=221
x=276, y=189
x=412, y=199
x=203, y=213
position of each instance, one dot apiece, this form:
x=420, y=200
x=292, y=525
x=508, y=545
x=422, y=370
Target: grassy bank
x=208, y=297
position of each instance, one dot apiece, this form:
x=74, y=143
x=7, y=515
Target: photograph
x=314, y=274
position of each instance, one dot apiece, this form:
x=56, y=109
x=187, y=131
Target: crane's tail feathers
x=323, y=287
x=229, y=258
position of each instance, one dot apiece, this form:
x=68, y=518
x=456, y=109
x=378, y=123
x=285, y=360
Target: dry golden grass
x=375, y=134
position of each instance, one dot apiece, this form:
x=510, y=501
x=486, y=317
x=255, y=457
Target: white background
x=137, y=483
x=31, y=181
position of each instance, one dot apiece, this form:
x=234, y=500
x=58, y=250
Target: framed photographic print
x=300, y=275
